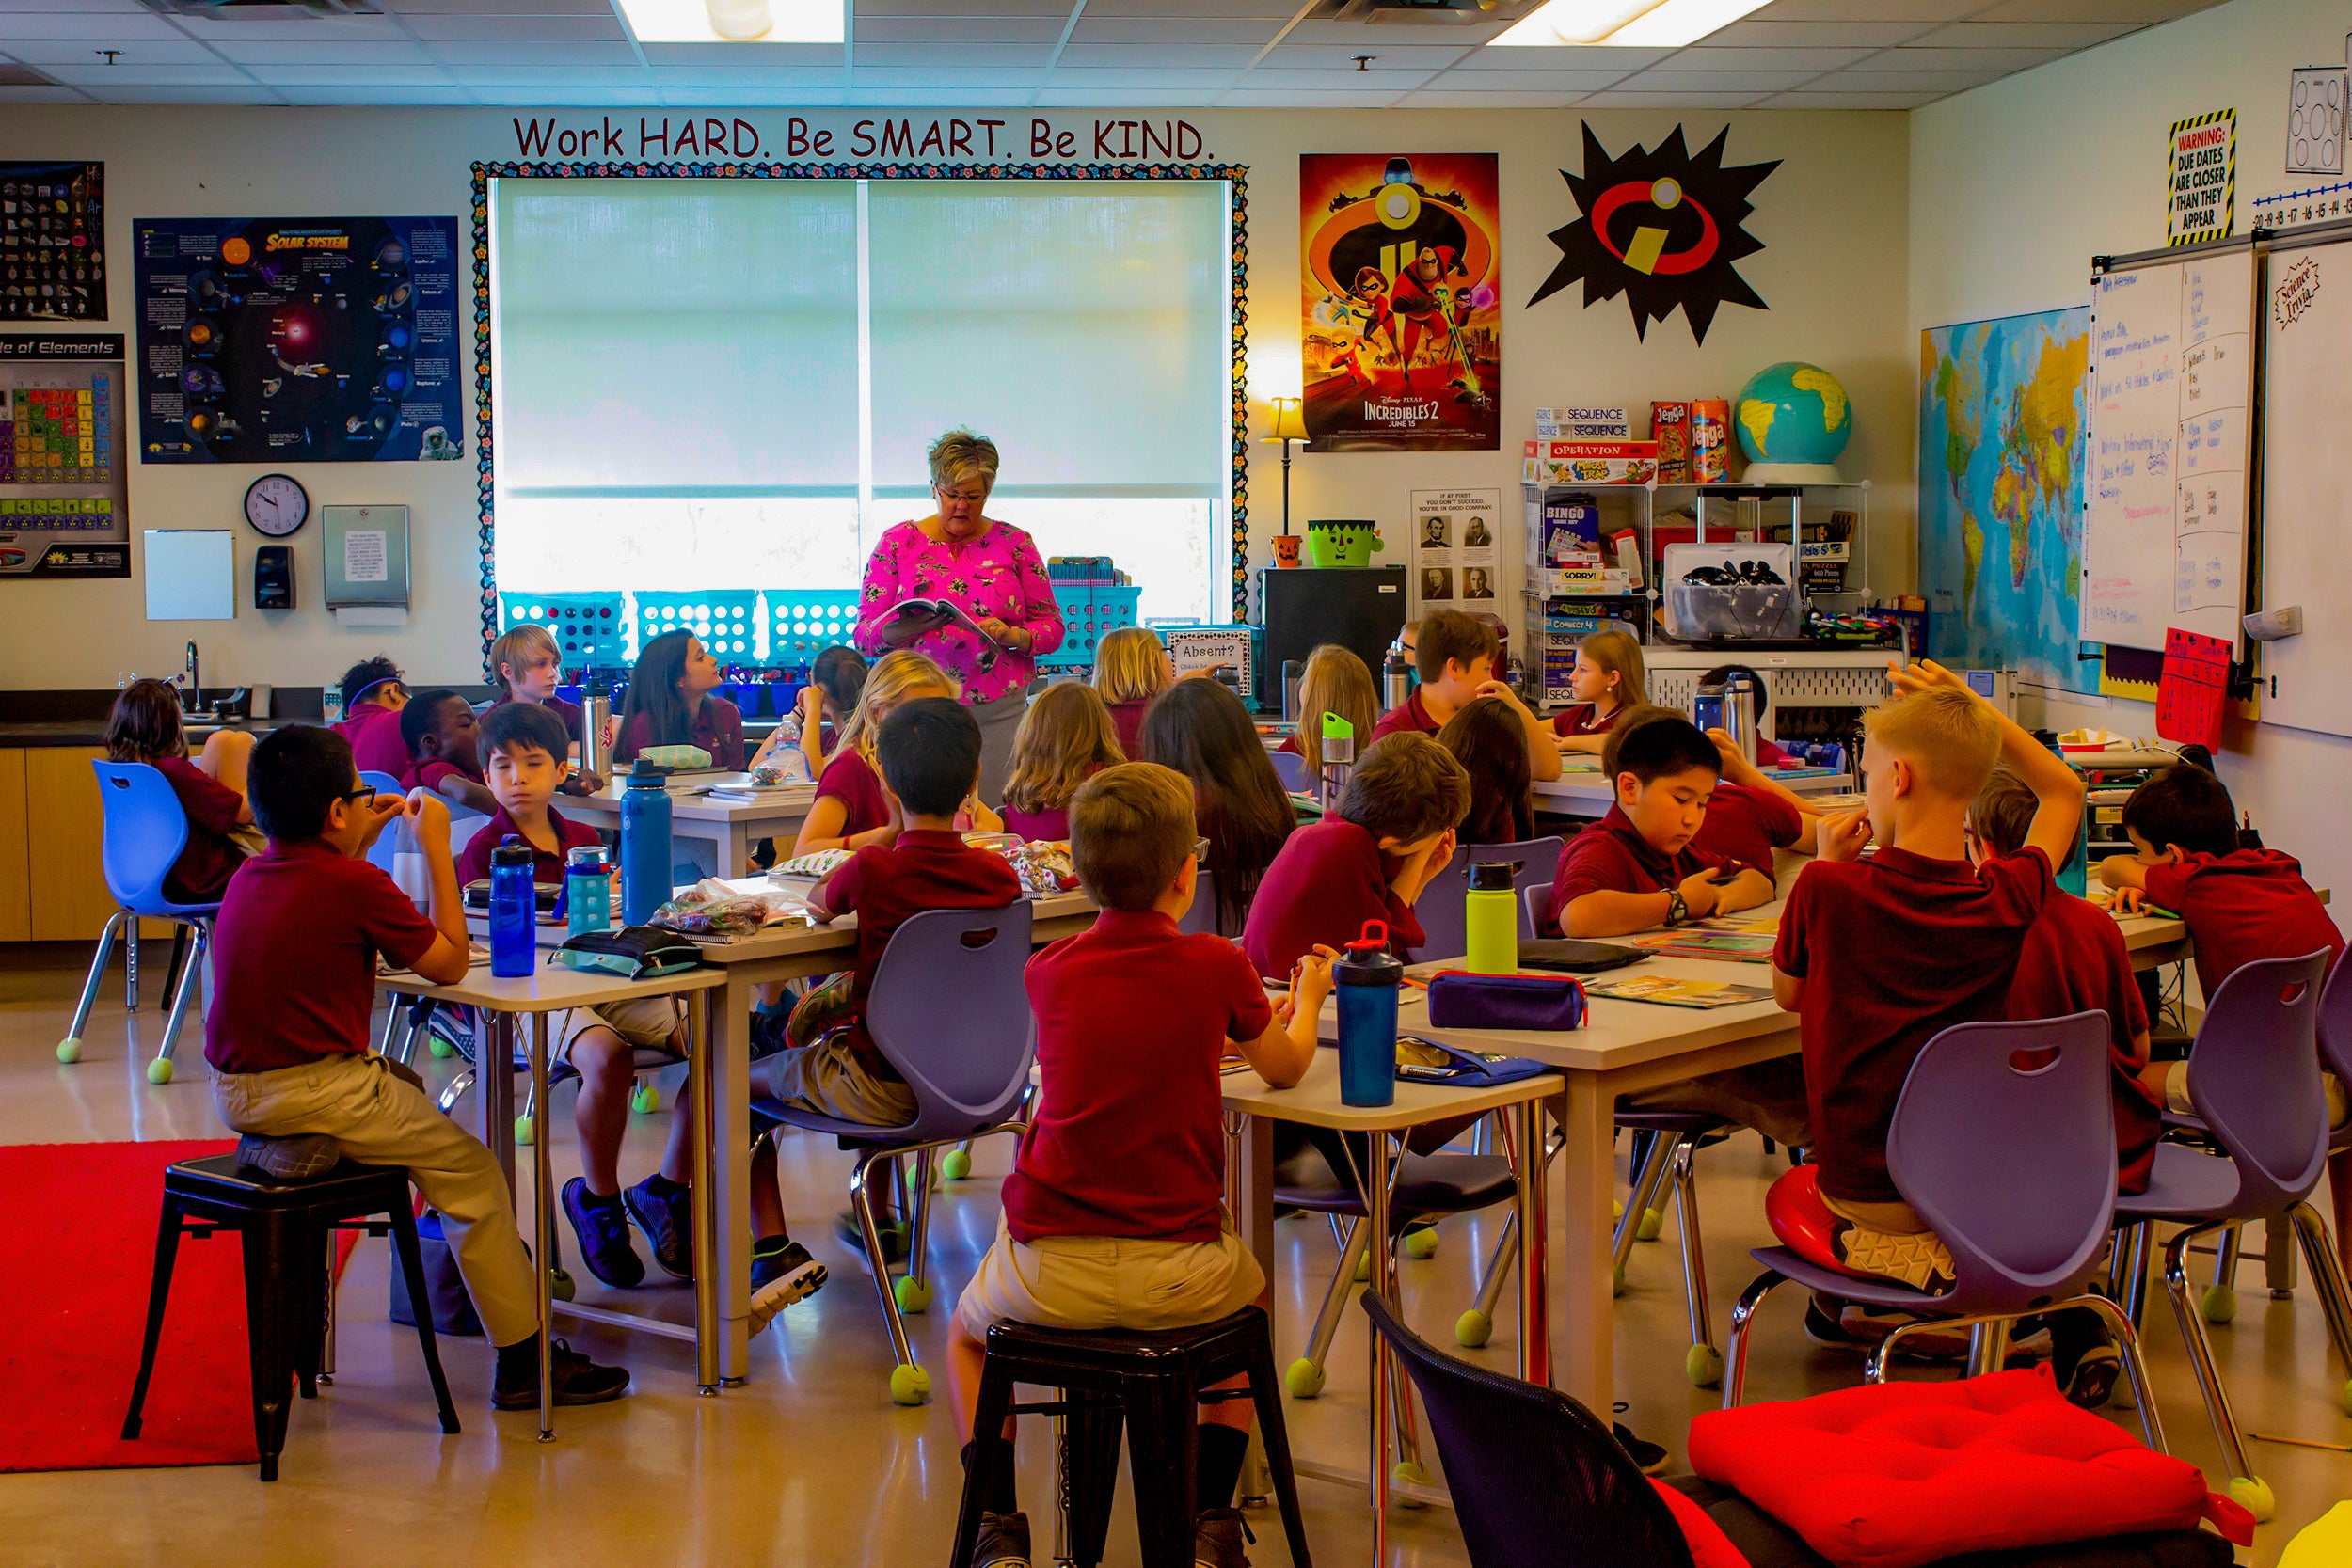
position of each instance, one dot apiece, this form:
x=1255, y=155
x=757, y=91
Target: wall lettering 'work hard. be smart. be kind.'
x=1030, y=139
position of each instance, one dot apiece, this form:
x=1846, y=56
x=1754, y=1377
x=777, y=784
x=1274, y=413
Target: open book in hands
x=911, y=619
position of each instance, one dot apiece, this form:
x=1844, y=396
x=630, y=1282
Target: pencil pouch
x=1459, y=1001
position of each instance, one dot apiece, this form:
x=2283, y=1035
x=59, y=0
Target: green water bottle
x=1490, y=920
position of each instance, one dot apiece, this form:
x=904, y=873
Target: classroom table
x=731, y=830
x=1626, y=1047
x=550, y=989
x=1580, y=792
x=1314, y=1101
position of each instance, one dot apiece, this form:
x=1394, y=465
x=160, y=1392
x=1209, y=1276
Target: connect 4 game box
x=62, y=481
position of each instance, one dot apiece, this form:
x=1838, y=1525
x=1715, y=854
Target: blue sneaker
x=603, y=1232
x=668, y=1224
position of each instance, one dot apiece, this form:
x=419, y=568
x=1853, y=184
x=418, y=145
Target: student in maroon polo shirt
x=1390, y=834
x=1749, y=816
x=293, y=983
x=2074, y=961
x=2239, y=905
x=373, y=694
x=1114, y=1214
x=930, y=752
x=145, y=727
x=1876, y=956
x=1456, y=655
x=526, y=666
x=439, y=729
x=1637, y=867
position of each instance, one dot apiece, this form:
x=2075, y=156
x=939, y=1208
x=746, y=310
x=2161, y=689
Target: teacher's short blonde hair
x=959, y=454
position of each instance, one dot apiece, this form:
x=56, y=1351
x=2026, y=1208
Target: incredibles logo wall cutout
x=1662, y=228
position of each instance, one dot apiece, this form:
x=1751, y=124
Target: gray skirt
x=999, y=720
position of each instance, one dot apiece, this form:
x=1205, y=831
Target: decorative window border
x=1235, y=175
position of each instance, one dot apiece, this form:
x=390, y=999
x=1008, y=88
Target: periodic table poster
x=53, y=242
x=63, y=460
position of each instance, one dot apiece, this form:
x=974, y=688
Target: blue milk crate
x=1088, y=612
x=590, y=629
x=726, y=620
x=804, y=621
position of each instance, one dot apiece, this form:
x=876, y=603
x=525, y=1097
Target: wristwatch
x=1678, y=908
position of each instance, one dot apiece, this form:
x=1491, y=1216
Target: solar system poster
x=1401, y=259
x=297, y=340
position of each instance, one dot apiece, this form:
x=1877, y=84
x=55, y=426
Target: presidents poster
x=1401, y=259
x=297, y=340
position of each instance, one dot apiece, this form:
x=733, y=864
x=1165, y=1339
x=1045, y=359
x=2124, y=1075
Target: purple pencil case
x=1459, y=1001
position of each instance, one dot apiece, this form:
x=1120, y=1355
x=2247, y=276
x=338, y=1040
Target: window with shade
x=701, y=384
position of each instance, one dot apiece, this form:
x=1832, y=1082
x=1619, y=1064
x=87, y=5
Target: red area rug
x=72, y=1314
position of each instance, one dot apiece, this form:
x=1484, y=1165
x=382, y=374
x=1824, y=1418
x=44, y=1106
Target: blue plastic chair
x=146, y=829
x=1967, y=1107
x=1440, y=906
x=968, y=1066
x=1202, y=915
x=2253, y=1075
x=386, y=843
x=1293, y=770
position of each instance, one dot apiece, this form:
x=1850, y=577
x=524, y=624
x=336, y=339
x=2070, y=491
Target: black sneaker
x=577, y=1381
x=1216, y=1539
x=893, y=1233
x=782, y=1274
x=1004, y=1542
x=1647, y=1457
x=603, y=1232
x=668, y=1224
x=1823, y=1325
x=2090, y=1381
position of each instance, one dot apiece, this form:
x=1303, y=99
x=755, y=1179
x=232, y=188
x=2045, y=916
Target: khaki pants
x=827, y=1078
x=1768, y=1096
x=1090, y=1282
x=1891, y=1241
x=378, y=1120
x=2176, y=1098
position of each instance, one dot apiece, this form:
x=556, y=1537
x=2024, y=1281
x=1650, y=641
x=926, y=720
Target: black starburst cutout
x=1662, y=228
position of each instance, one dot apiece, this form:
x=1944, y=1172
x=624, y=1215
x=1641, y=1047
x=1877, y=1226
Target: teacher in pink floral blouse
x=988, y=571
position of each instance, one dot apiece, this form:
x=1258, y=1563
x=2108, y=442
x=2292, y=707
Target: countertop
x=92, y=731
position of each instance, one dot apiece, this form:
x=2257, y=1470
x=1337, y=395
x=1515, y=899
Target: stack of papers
x=1670, y=993
x=1727, y=939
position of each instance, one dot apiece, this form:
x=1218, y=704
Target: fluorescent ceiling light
x=700, y=21
x=1625, y=23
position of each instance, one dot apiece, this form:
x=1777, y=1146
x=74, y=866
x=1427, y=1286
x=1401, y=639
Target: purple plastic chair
x=146, y=829
x=2253, y=1075
x=1202, y=915
x=949, y=1013
x=1967, y=1108
x=1292, y=768
x=1439, y=908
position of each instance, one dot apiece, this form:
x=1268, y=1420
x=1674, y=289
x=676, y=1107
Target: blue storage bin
x=591, y=629
x=1087, y=613
x=725, y=619
x=804, y=621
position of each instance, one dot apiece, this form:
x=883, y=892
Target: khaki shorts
x=2176, y=1098
x=827, y=1078
x=646, y=1022
x=1087, y=1282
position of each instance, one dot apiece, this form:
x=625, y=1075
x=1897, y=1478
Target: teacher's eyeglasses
x=968, y=498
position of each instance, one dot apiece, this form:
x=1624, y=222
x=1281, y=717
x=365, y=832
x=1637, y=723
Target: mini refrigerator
x=1358, y=608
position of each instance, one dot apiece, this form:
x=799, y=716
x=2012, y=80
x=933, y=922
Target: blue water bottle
x=1367, y=979
x=644, y=844
x=587, y=891
x=513, y=954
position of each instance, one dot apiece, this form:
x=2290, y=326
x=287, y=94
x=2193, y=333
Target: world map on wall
x=2001, y=494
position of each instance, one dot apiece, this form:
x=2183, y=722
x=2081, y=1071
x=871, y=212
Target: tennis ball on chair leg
x=443, y=1051
x=69, y=1050
x=644, y=1100
x=1704, y=1366
x=956, y=1164
x=1472, y=1329
x=1422, y=1242
x=910, y=1385
x=1653, y=1221
x=524, y=1132
x=2253, y=1493
x=159, y=1070
x=913, y=1295
x=2219, y=1305
x=1303, y=1378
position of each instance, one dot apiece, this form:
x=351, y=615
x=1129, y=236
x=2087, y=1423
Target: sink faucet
x=196, y=686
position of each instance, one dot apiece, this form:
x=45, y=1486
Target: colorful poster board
x=2001, y=494
x=2201, y=201
x=298, y=340
x=63, y=501
x=1401, y=261
x=53, y=242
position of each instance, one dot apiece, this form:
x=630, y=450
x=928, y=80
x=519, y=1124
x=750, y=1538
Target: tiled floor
x=810, y=1463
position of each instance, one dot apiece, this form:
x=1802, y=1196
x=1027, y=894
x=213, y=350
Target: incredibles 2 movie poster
x=1401, y=263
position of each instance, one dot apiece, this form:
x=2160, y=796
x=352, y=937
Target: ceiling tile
x=1904, y=81
x=1144, y=54
x=354, y=52
x=81, y=23
x=2135, y=13
x=352, y=75
x=1704, y=84
x=251, y=93
x=2021, y=35
x=919, y=78
x=584, y=79
x=1627, y=98
x=765, y=55
x=559, y=97
x=1880, y=12
x=291, y=24
x=137, y=76
x=1044, y=30
x=1997, y=61
x=1171, y=78
x=1712, y=58
x=1281, y=10
x=1057, y=9
x=955, y=58
x=1559, y=98
x=46, y=52
x=326, y=96
x=1550, y=83
x=1376, y=82
x=582, y=29
x=1460, y=36
x=747, y=77
x=505, y=51
x=120, y=6
x=1619, y=61
x=42, y=95
x=941, y=98
x=1803, y=100
x=1257, y=31
x=1316, y=57
x=1298, y=97
x=1127, y=97
x=516, y=7
x=1817, y=35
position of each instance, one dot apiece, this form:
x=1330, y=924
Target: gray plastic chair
x=1439, y=908
x=1202, y=915
x=967, y=1065
x=2253, y=1075
x=1967, y=1107
x=1289, y=766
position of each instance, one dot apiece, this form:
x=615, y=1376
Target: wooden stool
x=287, y=1228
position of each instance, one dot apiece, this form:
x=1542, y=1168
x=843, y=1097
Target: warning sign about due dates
x=2203, y=200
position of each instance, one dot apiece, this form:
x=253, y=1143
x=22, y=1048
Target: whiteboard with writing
x=2307, y=484
x=2164, y=498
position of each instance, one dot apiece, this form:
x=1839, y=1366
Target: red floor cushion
x=1900, y=1474
x=1709, y=1547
